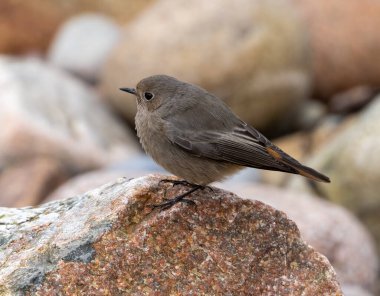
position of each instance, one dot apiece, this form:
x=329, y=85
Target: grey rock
x=352, y=160
x=351, y=290
x=83, y=44
x=133, y=168
x=45, y=111
x=47, y=114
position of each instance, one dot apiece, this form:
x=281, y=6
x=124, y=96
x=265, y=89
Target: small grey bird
x=195, y=135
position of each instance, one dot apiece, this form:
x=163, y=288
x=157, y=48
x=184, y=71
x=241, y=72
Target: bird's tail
x=308, y=172
x=300, y=169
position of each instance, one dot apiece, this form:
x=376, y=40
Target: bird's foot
x=178, y=182
x=185, y=183
x=180, y=198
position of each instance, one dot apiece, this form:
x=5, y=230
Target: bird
x=194, y=135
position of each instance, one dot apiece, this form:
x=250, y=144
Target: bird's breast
x=150, y=131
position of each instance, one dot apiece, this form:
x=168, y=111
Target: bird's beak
x=129, y=90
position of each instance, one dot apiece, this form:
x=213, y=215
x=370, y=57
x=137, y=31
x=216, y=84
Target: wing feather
x=241, y=146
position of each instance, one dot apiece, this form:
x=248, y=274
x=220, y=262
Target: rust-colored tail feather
x=312, y=174
x=306, y=171
x=300, y=169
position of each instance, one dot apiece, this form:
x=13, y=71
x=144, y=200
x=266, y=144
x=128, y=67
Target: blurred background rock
x=304, y=72
x=252, y=54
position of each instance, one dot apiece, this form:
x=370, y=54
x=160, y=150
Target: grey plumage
x=195, y=135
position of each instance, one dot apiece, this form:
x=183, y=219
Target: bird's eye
x=148, y=96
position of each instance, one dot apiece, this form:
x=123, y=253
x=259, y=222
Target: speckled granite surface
x=108, y=242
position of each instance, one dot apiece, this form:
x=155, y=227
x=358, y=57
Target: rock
x=85, y=182
x=304, y=117
x=330, y=229
x=349, y=290
x=30, y=26
x=133, y=168
x=28, y=181
x=253, y=54
x=344, y=41
x=109, y=240
x=46, y=113
x=352, y=160
x=26, y=26
x=310, y=114
x=83, y=44
x=120, y=10
x=353, y=99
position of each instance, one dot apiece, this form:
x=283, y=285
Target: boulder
x=349, y=290
x=120, y=10
x=304, y=116
x=352, y=160
x=29, y=26
x=353, y=99
x=330, y=229
x=252, y=54
x=83, y=43
x=132, y=168
x=110, y=240
x=344, y=41
x=28, y=181
x=48, y=114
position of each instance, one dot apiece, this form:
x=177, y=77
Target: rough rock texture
x=329, y=228
x=352, y=160
x=48, y=114
x=253, y=54
x=108, y=242
x=83, y=44
x=344, y=41
x=30, y=25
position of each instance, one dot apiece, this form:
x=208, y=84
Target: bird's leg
x=180, y=198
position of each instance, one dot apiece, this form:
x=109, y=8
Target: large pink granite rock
x=109, y=242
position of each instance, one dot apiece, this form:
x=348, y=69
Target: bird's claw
x=171, y=202
x=180, y=198
x=177, y=182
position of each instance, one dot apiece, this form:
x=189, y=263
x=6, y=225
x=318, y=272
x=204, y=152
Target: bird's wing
x=242, y=145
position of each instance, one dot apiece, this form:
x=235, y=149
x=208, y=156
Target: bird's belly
x=196, y=170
